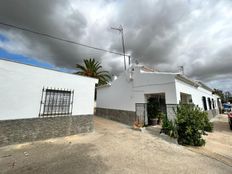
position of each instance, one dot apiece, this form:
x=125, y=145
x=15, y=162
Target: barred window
x=56, y=102
x=204, y=103
x=209, y=103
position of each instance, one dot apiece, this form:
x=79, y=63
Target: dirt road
x=112, y=148
x=219, y=143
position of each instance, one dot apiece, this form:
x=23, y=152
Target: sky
x=162, y=34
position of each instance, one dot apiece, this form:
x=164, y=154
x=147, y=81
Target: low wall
x=26, y=130
x=126, y=117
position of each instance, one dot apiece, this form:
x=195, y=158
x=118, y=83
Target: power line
x=60, y=39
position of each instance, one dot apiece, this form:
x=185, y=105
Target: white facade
x=196, y=93
x=21, y=90
x=132, y=87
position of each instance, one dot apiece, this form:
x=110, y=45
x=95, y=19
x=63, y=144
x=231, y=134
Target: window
x=56, y=102
x=186, y=98
x=209, y=102
x=204, y=103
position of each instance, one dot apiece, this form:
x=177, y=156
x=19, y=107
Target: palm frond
x=93, y=68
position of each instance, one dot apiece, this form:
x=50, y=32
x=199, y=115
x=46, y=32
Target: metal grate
x=141, y=113
x=56, y=102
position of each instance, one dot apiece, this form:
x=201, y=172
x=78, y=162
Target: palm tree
x=93, y=68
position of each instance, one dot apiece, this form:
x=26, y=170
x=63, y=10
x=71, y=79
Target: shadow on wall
x=57, y=158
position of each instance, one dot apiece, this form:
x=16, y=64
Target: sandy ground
x=219, y=143
x=112, y=148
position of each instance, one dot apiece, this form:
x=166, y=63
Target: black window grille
x=204, y=103
x=56, y=102
x=209, y=103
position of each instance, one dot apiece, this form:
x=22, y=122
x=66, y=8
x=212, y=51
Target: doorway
x=156, y=104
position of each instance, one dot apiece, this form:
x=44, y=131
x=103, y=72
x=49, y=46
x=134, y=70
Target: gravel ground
x=112, y=148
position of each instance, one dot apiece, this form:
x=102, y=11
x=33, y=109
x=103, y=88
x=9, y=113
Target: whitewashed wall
x=117, y=96
x=21, y=89
x=152, y=83
x=196, y=93
x=124, y=93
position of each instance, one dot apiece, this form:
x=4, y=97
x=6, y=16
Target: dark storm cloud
x=216, y=65
x=168, y=34
x=52, y=17
x=151, y=28
x=161, y=33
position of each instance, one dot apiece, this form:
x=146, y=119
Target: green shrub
x=191, y=123
x=160, y=117
x=168, y=127
x=207, y=126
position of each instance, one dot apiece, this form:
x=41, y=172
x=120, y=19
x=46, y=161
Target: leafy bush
x=207, y=126
x=191, y=122
x=160, y=117
x=168, y=127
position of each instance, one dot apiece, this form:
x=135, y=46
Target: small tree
x=93, y=68
x=220, y=93
x=189, y=126
x=191, y=123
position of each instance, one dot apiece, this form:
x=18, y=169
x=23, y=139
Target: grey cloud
x=151, y=29
x=215, y=65
x=163, y=33
x=52, y=17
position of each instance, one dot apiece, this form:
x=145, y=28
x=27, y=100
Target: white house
x=125, y=98
x=30, y=96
